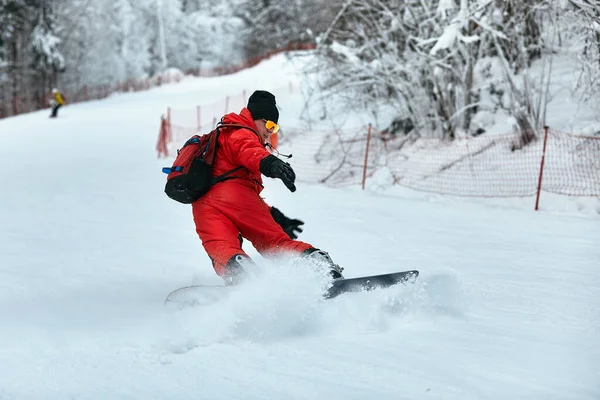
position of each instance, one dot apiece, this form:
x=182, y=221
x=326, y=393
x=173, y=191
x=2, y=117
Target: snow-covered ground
x=506, y=306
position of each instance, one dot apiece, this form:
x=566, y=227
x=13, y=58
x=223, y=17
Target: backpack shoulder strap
x=220, y=126
x=224, y=177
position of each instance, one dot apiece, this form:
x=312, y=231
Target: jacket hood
x=243, y=118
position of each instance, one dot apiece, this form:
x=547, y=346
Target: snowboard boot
x=234, y=269
x=321, y=259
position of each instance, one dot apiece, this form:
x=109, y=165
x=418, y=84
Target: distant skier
x=57, y=101
x=233, y=209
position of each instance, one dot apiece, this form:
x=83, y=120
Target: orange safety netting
x=484, y=166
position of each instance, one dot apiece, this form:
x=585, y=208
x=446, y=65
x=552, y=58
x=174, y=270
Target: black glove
x=273, y=167
x=290, y=226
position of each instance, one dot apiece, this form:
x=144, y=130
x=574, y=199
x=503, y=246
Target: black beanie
x=262, y=106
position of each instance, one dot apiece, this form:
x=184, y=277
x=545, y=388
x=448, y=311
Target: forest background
x=444, y=68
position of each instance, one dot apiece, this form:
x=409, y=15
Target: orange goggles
x=271, y=125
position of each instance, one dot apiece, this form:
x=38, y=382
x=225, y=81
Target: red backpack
x=190, y=177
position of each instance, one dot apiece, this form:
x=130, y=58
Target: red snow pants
x=234, y=207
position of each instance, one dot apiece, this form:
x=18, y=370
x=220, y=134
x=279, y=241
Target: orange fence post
x=364, y=179
x=170, y=130
x=161, y=145
x=539, y=188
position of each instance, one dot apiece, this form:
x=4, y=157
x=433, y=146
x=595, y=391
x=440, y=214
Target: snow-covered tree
x=582, y=18
x=4, y=32
x=103, y=42
x=28, y=52
x=106, y=41
x=182, y=36
x=47, y=59
x=427, y=57
x=274, y=24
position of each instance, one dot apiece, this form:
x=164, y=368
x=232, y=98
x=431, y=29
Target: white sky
x=506, y=305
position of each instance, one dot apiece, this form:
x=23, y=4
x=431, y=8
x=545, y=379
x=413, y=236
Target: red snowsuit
x=234, y=206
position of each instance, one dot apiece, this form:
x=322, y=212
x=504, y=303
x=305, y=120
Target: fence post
x=198, y=117
x=226, y=104
x=161, y=145
x=364, y=179
x=170, y=131
x=539, y=188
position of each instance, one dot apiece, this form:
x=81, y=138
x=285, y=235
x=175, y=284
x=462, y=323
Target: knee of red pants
x=267, y=236
x=219, y=235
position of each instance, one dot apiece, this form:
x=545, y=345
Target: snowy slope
x=506, y=306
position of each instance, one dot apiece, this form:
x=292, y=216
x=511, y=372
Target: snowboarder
x=57, y=101
x=233, y=209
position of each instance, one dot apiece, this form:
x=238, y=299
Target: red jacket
x=234, y=207
x=239, y=146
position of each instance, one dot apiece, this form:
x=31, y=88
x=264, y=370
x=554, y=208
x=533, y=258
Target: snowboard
x=195, y=295
x=365, y=283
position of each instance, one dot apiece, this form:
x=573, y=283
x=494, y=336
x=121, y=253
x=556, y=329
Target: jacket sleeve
x=245, y=149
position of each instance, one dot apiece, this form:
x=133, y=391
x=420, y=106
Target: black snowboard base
x=195, y=295
x=365, y=283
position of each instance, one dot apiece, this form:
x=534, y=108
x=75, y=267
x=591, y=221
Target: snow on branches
x=431, y=60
